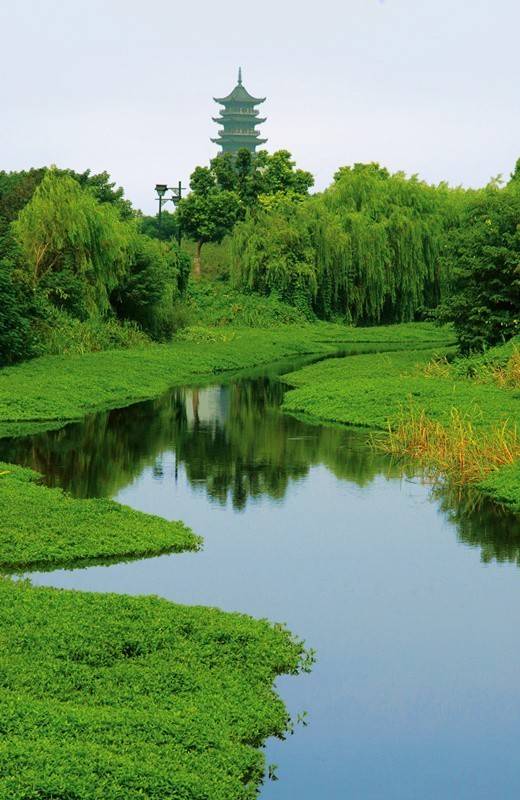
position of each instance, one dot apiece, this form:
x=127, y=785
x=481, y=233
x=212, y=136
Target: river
x=409, y=598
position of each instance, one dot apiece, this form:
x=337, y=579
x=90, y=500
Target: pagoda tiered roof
x=238, y=119
x=239, y=95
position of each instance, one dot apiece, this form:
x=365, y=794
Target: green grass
x=371, y=390
x=384, y=390
x=504, y=487
x=45, y=528
x=52, y=390
x=105, y=697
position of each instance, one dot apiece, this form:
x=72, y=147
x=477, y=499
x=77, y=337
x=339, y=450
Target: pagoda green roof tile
x=239, y=95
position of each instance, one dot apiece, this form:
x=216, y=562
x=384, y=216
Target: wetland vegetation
x=416, y=291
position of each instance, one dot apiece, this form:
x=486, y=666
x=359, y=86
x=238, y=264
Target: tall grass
x=508, y=375
x=459, y=451
x=65, y=335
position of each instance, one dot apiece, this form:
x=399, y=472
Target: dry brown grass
x=458, y=451
x=437, y=368
x=509, y=375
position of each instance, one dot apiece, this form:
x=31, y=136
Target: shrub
x=153, y=283
x=59, y=333
x=16, y=335
x=483, y=257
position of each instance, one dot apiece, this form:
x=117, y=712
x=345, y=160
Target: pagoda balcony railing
x=245, y=113
x=251, y=132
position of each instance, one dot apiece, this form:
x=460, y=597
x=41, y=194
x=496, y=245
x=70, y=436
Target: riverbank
x=46, y=528
x=427, y=404
x=50, y=391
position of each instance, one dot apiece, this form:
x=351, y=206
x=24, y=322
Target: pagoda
x=239, y=119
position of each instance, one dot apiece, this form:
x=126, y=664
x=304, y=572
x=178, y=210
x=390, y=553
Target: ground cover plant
x=42, y=527
x=447, y=418
x=104, y=697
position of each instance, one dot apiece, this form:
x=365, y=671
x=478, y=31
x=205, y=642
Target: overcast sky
x=427, y=86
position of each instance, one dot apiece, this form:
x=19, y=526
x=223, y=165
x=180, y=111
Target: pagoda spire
x=239, y=119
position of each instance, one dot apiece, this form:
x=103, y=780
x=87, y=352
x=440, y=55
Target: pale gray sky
x=127, y=86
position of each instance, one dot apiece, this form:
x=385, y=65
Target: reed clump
x=459, y=451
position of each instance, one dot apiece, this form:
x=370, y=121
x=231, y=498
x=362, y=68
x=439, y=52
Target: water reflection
x=231, y=439
x=234, y=445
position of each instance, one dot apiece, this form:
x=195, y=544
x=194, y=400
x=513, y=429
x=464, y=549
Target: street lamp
x=176, y=195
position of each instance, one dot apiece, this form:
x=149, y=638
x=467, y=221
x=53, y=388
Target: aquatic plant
x=112, y=696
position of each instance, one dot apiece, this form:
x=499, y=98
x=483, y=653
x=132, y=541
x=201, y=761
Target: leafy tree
x=367, y=250
x=64, y=229
x=208, y=217
x=167, y=231
x=221, y=193
x=483, y=257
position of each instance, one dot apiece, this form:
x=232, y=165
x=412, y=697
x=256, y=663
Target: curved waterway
x=410, y=600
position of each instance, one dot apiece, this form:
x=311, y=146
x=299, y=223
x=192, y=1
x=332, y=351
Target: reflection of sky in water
x=415, y=693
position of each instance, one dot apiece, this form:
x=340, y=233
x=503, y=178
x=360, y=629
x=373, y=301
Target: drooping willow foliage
x=368, y=249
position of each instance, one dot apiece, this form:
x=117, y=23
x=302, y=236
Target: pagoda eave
x=254, y=101
x=242, y=140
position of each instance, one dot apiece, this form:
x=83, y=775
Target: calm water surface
x=410, y=601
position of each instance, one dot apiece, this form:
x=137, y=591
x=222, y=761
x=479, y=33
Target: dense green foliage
x=504, y=487
x=72, y=261
x=106, y=696
x=41, y=527
x=221, y=193
x=367, y=250
x=16, y=335
x=217, y=304
x=155, y=278
x=483, y=259
x=71, y=245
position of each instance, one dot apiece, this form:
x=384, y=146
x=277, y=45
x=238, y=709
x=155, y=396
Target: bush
x=61, y=334
x=154, y=281
x=216, y=304
x=16, y=335
x=484, y=260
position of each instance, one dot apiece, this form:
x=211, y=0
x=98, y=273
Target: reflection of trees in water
x=232, y=440
x=481, y=523
x=235, y=445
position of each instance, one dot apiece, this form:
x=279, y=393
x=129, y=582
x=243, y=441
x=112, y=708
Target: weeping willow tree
x=72, y=244
x=368, y=249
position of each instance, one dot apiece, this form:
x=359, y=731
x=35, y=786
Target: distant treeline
x=80, y=269
x=376, y=247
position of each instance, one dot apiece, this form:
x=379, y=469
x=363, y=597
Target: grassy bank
x=106, y=696
x=453, y=420
x=41, y=527
x=52, y=390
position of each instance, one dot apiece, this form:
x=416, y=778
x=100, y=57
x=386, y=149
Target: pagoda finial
x=240, y=76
